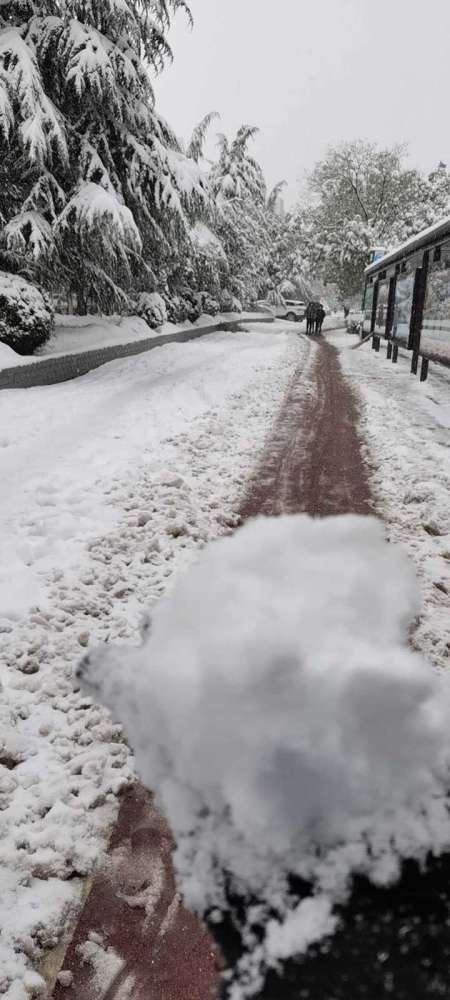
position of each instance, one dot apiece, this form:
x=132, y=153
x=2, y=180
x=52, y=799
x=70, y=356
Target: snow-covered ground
x=10, y=358
x=111, y=484
x=277, y=706
x=406, y=426
x=85, y=333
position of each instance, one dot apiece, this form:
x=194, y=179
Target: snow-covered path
x=64, y=448
x=406, y=425
x=111, y=484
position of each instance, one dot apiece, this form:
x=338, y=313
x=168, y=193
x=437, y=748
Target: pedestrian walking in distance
x=310, y=317
x=320, y=316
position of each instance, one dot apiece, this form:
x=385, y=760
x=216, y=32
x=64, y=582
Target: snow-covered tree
x=196, y=145
x=430, y=203
x=359, y=196
x=95, y=184
x=238, y=190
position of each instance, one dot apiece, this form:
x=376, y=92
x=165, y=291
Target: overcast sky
x=314, y=72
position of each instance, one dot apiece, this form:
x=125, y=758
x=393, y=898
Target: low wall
x=63, y=367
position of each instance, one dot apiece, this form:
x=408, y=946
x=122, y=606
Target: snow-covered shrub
x=209, y=304
x=192, y=303
x=71, y=75
x=26, y=317
x=311, y=740
x=226, y=301
x=152, y=308
x=229, y=302
x=176, y=307
x=186, y=306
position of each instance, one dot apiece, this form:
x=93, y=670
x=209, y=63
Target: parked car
x=291, y=309
x=299, y=306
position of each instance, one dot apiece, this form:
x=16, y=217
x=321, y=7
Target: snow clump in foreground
x=287, y=726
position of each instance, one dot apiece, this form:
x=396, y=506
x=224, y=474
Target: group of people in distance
x=315, y=315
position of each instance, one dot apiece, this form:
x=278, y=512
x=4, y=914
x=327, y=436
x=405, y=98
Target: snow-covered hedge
x=193, y=304
x=208, y=303
x=176, y=308
x=26, y=316
x=186, y=306
x=182, y=308
x=152, y=308
x=229, y=302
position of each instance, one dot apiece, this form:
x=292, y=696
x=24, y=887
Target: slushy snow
x=405, y=424
x=111, y=485
x=286, y=725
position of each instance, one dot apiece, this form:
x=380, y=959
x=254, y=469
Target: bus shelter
x=407, y=294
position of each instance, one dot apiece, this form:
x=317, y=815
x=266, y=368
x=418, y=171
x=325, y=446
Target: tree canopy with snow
x=361, y=196
x=100, y=202
x=88, y=169
x=238, y=190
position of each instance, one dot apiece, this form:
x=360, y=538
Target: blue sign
x=377, y=254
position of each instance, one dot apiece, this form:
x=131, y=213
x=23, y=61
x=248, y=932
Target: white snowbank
x=87, y=333
x=277, y=708
x=9, y=358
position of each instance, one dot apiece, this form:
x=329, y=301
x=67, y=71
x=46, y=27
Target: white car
x=293, y=310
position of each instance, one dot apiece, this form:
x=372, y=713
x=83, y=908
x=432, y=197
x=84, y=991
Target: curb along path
x=134, y=940
x=53, y=369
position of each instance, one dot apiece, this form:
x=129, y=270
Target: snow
x=106, y=965
x=203, y=236
x=111, y=485
x=24, y=298
x=152, y=308
x=26, y=318
x=406, y=424
x=93, y=206
x=311, y=921
x=23, y=95
x=40, y=233
x=86, y=333
x=287, y=726
x=9, y=358
x=439, y=228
